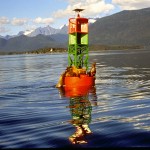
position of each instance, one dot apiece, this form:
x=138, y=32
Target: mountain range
x=48, y=30
x=128, y=27
x=45, y=31
x=35, y=39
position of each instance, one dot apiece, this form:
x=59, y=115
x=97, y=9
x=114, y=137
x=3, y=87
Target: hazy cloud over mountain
x=43, y=20
x=19, y=21
x=132, y=4
x=4, y=20
x=3, y=29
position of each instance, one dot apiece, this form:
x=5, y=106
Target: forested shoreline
x=48, y=50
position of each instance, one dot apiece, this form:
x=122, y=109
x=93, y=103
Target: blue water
x=35, y=114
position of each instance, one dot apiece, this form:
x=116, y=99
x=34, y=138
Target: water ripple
x=34, y=114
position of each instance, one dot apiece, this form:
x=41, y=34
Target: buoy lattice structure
x=78, y=42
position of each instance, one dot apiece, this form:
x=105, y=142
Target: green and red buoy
x=76, y=78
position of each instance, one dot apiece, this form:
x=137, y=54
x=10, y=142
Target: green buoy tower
x=78, y=41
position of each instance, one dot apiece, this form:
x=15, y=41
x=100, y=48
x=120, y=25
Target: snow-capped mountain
x=48, y=30
x=45, y=31
x=27, y=32
x=64, y=29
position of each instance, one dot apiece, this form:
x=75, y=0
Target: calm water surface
x=35, y=114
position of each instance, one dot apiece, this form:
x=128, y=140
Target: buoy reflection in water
x=80, y=109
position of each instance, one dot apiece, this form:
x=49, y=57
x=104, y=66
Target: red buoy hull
x=77, y=86
x=83, y=80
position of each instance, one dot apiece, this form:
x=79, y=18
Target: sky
x=22, y=15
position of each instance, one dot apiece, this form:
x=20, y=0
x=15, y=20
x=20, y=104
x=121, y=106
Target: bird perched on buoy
x=75, y=72
x=92, y=71
x=78, y=71
x=61, y=80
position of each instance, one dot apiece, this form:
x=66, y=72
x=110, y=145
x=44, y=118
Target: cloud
x=4, y=20
x=97, y=8
x=132, y=4
x=3, y=30
x=40, y=20
x=92, y=20
x=18, y=22
x=92, y=8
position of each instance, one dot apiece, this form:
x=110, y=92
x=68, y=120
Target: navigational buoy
x=77, y=76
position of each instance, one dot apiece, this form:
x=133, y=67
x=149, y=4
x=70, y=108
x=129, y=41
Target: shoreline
x=64, y=50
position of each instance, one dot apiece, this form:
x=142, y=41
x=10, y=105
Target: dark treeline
x=60, y=50
x=115, y=47
x=37, y=51
x=47, y=50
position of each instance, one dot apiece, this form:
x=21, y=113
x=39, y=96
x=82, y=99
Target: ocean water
x=35, y=114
